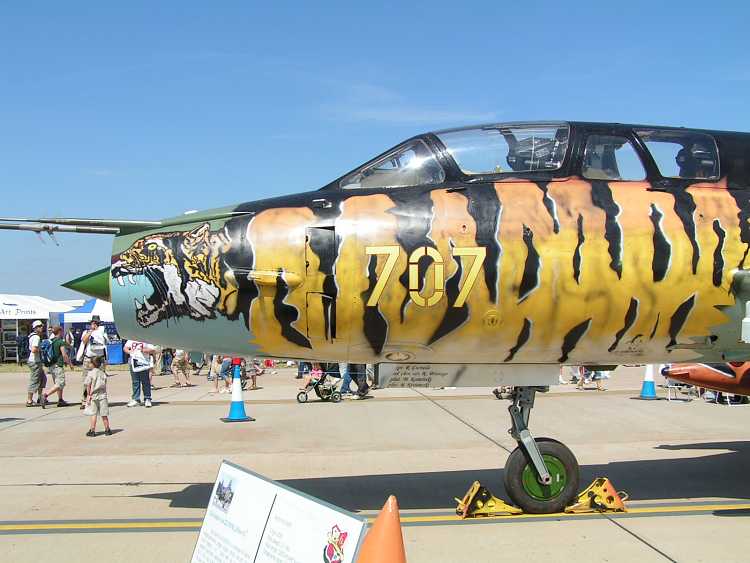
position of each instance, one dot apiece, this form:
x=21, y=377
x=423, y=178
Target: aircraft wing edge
x=106, y=226
x=54, y=228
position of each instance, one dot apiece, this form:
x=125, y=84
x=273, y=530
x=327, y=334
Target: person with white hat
x=37, y=379
x=93, y=345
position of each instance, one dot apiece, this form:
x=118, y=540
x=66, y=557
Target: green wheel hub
x=538, y=491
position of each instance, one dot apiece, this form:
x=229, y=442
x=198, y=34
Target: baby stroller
x=248, y=369
x=327, y=387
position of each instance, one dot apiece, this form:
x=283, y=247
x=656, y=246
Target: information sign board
x=251, y=519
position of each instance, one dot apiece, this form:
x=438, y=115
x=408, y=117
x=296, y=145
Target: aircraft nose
x=95, y=284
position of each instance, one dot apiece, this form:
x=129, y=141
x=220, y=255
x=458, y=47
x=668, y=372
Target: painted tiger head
x=183, y=269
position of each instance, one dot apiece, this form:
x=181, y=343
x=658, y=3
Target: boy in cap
x=96, y=398
x=37, y=379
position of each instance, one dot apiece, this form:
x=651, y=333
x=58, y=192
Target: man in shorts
x=225, y=373
x=60, y=359
x=37, y=379
x=94, y=344
x=181, y=369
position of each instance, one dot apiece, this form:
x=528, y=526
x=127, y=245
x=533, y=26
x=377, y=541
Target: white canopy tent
x=29, y=307
x=16, y=314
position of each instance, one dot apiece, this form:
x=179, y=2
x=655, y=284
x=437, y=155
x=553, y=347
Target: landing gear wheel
x=336, y=397
x=522, y=482
x=301, y=397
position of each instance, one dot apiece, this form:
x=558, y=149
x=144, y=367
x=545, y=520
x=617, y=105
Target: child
x=96, y=398
x=316, y=373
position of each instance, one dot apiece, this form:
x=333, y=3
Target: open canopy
x=29, y=307
x=90, y=308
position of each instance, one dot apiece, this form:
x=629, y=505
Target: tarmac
x=140, y=494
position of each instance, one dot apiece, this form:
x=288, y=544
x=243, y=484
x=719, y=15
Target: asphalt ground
x=140, y=493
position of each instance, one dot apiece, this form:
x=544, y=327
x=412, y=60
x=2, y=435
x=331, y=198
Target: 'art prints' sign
x=14, y=311
x=252, y=519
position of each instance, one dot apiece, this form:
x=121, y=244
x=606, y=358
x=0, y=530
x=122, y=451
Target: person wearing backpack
x=57, y=362
x=37, y=379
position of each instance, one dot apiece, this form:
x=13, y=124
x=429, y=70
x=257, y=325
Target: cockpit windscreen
x=507, y=148
x=411, y=164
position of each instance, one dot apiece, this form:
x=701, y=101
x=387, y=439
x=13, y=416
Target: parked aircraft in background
x=512, y=247
x=732, y=377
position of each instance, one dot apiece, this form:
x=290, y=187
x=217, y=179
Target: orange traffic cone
x=384, y=542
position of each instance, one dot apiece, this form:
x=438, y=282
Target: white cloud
x=414, y=115
x=374, y=103
x=98, y=172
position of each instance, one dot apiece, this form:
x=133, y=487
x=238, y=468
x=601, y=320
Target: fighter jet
x=509, y=248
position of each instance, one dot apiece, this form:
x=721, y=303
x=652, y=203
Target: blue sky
x=147, y=109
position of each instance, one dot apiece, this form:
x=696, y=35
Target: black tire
x=336, y=397
x=514, y=483
x=301, y=397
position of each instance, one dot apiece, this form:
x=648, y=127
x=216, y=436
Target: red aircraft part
x=733, y=377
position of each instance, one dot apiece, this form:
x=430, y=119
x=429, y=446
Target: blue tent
x=90, y=308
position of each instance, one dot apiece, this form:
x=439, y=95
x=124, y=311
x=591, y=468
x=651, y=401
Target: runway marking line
x=192, y=525
x=98, y=526
x=560, y=515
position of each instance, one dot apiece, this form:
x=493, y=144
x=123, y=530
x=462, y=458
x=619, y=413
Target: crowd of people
x=52, y=356
x=146, y=360
x=55, y=353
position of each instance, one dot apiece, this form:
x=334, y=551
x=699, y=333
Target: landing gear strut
x=541, y=475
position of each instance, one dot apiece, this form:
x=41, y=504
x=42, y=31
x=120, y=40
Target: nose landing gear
x=541, y=475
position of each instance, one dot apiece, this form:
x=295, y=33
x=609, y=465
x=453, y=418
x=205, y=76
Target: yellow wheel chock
x=479, y=501
x=600, y=496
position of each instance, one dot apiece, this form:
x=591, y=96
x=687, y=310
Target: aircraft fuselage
x=545, y=267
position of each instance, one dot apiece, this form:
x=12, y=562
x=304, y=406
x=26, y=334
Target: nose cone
x=677, y=372
x=95, y=284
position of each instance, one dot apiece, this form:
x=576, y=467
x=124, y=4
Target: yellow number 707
x=393, y=252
